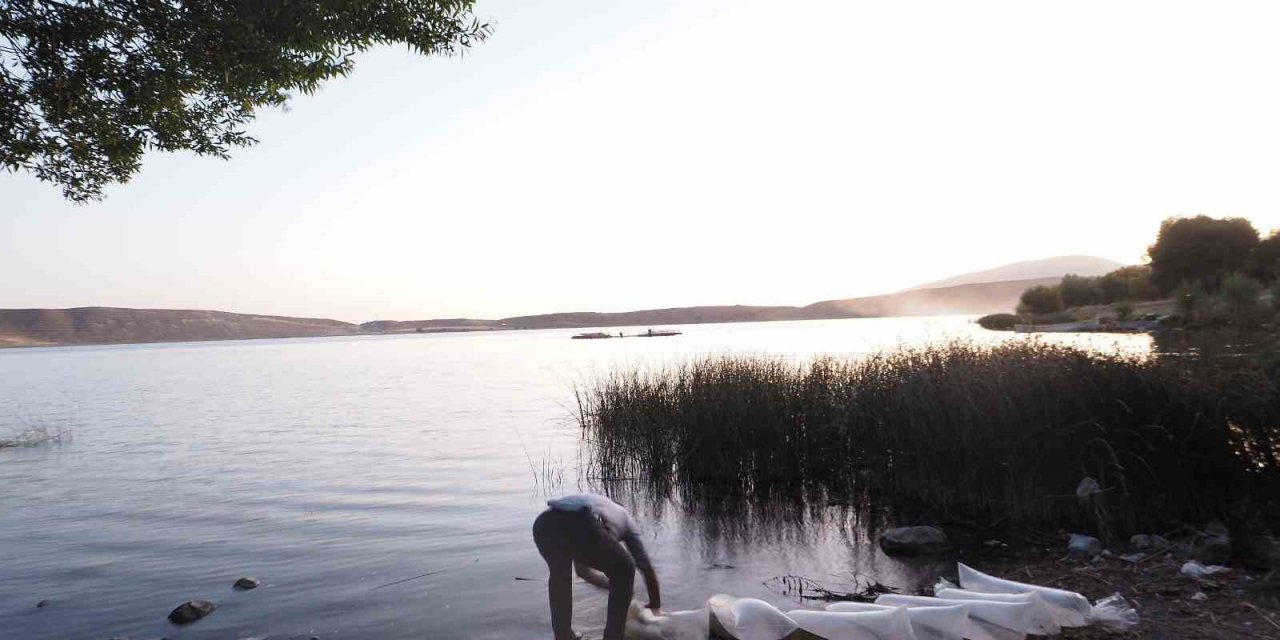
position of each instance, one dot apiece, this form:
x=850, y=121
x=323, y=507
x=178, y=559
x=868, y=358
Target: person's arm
x=641, y=558
x=651, y=585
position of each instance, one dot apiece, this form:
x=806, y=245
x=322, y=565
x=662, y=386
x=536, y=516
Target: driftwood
x=865, y=589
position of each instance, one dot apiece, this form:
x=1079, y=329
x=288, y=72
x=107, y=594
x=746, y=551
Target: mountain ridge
x=114, y=325
x=1053, y=266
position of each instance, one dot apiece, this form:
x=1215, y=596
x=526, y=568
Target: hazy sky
x=648, y=154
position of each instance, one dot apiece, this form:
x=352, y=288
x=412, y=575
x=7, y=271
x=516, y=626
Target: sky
x=611, y=156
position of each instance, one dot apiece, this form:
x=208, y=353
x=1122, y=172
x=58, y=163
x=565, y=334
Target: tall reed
x=958, y=431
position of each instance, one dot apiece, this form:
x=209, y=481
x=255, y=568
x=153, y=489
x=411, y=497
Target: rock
x=43, y=603
x=914, y=541
x=245, y=584
x=1200, y=595
x=189, y=612
x=1134, y=558
x=1214, y=546
x=1082, y=545
x=1141, y=542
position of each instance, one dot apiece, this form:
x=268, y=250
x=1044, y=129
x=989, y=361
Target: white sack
x=1069, y=608
x=928, y=623
x=750, y=619
x=1043, y=623
x=987, y=620
x=890, y=624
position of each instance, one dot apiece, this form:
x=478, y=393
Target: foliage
x=1266, y=258
x=1040, y=299
x=998, y=321
x=1189, y=296
x=972, y=433
x=1200, y=249
x=1124, y=311
x=1240, y=298
x=87, y=86
x=1078, y=291
x=1127, y=283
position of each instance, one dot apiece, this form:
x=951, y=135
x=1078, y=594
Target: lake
x=378, y=486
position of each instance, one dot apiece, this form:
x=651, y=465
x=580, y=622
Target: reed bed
x=959, y=432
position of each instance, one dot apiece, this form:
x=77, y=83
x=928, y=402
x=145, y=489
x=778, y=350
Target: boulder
x=1082, y=545
x=189, y=612
x=245, y=584
x=914, y=541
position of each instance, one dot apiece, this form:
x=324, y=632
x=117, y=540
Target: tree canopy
x=1040, y=300
x=88, y=86
x=1201, y=249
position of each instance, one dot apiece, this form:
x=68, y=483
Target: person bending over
x=601, y=541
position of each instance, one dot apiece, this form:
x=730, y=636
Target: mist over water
x=342, y=471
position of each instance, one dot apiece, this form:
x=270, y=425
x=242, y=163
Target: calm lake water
x=339, y=470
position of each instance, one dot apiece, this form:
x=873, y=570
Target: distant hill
x=981, y=298
x=429, y=326
x=1054, y=267
x=107, y=325
x=679, y=315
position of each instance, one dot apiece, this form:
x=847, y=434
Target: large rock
x=914, y=541
x=189, y=612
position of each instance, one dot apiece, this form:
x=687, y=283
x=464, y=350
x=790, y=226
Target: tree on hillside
x=1200, y=249
x=1040, y=299
x=1266, y=258
x=1127, y=283
x=87, y=86
x=1078, y=291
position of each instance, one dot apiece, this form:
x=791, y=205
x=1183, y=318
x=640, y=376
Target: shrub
x=1040, y=299
x=998, y=321
x=1240, y=299
x=1078, y=291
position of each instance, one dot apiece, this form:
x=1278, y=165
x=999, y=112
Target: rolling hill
x=108, y=325
x=1054, y=267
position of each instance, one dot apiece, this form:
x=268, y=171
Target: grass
x=959, y=432
x=34, y=437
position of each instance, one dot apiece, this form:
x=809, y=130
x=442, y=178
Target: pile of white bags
x=982, y=608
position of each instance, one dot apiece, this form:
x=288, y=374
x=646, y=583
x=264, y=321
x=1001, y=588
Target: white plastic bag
x=987, y=620
x=928, y=623
x=1114, y=612
x=893, y=623
x=1042, y=620
x=1069, y=608
x=1197, y=571
x=645, y=624
x=750, y=619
